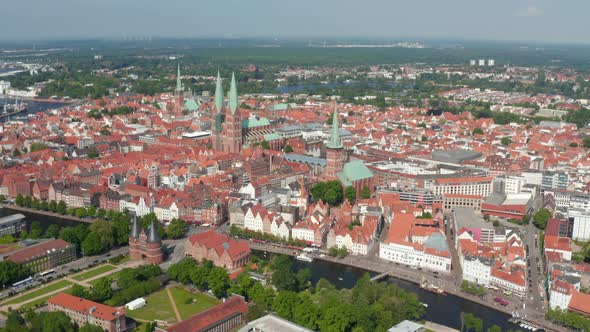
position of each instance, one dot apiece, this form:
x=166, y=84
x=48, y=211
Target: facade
x=224, y=317
x=232, y=127
x=554, y=181
x=219, y=248
x=45, y=256
x=12, y=225
x=451, y=201
x=82, y=312
x=145, y=244
x=480, y=186
x=579, y=221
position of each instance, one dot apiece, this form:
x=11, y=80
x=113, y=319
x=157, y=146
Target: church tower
x=334, y=150
x=232, y=127
x=217, y=127
x=178, y=93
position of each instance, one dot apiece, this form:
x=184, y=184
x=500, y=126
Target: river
x=32, y=106
x=443, y=310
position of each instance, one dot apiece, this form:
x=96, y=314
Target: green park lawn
x=94, y=272
x=44, y=299
x=158, y=307
x=113, y=276
x=43, y=290
x=189, y=304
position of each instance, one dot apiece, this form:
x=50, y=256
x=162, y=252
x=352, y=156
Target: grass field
x=189, y=304
x=94, y=272
x=49, y=288
x=113, y=276
x=158, y=307
x=41, y=300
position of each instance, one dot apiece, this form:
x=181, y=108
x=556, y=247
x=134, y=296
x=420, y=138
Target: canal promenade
x=401, y=272
x=47, y=213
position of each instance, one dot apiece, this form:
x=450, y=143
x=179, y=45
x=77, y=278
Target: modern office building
x=45, y=255
x=12, y=225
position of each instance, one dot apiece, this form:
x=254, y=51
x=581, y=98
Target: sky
x=561, y=21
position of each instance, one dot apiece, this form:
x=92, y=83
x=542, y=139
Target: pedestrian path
x=178, y=318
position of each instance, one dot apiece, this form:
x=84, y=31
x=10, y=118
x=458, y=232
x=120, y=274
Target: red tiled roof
x=41, y=249
x=91, y=308
x=580, y=302
x=234, y=306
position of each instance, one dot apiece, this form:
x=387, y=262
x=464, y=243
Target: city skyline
x=520, y=20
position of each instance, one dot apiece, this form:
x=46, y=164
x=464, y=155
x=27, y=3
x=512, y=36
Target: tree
x=92, y=245
x=366, y=192
x=330, y=192
x=478, y=131
x=104, y=231
x=19, y=200
x=218, y=281
x=91, y=211
x=52, y=206
x=52, y=231
x=284, y=303
x=91, y=328
x=16, y=153
x=52, y=322
x=61, y=207
x=265, y=145
x=587, y=142
x=494, y=328
x=350, y=194
x=541, y=217
x=121, y=231
x=506, y=141
x=102, y=290
x=473, y=323
x=11, y=272
x=288, y=148
x=177, y=228
x=37, y=146
x=93, y=153
x=36, y=230
x=303, y=279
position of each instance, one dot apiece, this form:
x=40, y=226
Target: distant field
x=44, y=290
x=158, y=307
x=94, y=272
x=189, y=304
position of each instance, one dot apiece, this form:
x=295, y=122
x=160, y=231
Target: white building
x=476, y=269
x=560, y=295
x=136, y=304
x=580, y=219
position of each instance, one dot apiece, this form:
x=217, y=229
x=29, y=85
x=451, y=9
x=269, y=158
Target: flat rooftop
x=466, y=217
x=12, y=218
x=454, y=156
x=272, y=323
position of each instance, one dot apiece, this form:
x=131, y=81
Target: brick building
x=218, y=248
x=83, y=312
x=145, y=243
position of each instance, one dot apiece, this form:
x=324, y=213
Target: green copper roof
x=255, y=122
x=272, y=137
x=218, y=94
x=281, y=107
x=354, y=171
x=191, y=105
x=178, y=81
x=233, y=94
x=335, y=141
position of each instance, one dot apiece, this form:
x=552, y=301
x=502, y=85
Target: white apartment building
x=580, y=224
x=476, y=269
x=481, y=186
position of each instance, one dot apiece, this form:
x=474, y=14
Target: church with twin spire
x=227, y=127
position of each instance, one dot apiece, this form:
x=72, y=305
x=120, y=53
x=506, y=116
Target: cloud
x=531, y=11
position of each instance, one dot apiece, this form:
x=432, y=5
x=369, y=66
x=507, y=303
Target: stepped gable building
x=219, y=248
x=145, y=243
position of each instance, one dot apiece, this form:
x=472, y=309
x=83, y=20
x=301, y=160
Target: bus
x=46, y=273
x=22, y=283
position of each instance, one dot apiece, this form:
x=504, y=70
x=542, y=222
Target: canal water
x=32, y=106
x=443, y=310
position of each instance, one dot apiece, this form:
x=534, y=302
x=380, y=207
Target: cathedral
x=227, y=129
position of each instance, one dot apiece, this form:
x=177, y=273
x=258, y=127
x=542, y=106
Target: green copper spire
x=335, y=141
x=218, y=93
x=233, y=94
x=178, y=81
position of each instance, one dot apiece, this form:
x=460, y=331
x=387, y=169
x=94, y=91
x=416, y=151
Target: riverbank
x=413, y=277
x=47, y=213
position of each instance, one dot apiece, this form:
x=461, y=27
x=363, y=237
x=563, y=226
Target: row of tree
x=32, y=321
x=248, y=234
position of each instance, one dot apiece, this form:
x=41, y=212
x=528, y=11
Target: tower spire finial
x=233, y=94
x=335, y=141
x=218, y=93
x=178, y=80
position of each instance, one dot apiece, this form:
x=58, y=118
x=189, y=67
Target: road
x=535, y=301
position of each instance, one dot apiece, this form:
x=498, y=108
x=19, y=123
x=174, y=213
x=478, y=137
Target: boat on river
x=303, y=257
x=432, y=288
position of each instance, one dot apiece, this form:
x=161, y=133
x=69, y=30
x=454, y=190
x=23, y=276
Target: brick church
x=145, y=244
